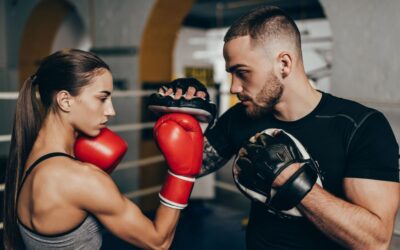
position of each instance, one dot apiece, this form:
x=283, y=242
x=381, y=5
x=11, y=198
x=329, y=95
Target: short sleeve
x=373, y=152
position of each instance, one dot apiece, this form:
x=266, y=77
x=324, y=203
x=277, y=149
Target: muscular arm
x=212, y=161
x=97, y=193
x=365, y=221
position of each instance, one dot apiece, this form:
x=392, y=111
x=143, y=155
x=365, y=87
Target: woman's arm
x=94, y=191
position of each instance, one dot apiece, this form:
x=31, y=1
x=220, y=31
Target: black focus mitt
x=201, y=108
x=263, y=158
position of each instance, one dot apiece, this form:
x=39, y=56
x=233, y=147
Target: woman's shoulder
x=66, y=174
x=75, y=183
x=64, y=166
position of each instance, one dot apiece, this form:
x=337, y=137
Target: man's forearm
x=350, y=225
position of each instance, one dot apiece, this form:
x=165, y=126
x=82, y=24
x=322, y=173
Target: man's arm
x=365, y=221
x=212, y=161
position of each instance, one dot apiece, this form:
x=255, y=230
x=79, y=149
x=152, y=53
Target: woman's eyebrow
x=105, y=92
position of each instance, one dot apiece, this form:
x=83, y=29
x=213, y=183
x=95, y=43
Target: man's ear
x=64, y=100
x=285, y=63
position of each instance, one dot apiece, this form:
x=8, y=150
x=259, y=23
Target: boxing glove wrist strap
x=176, y=190
x=295, y=189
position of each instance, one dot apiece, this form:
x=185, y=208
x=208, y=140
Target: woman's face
x=93, y=107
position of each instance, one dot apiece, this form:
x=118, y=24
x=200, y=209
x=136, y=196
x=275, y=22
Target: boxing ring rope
x=143, y=192
x=158, y=158
x=5, y=138
x=227, y=186
x=8, y=95
x=139, y=163
x=123, y=128
x=149, y=125
x=116, y=128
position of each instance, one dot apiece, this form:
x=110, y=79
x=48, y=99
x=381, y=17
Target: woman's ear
x=285, y=64
x=64, y=100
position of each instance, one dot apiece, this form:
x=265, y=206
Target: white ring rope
x=139, y=163
x=159, y=158
x=132, y=93
x=131, y=126
x=116, y=93
x=212, y=92
x=126, y=165
x=8, y=95
x=151, y=190
x=227, y=186
x=143, y=192
x=115, y=128
x=5, y=138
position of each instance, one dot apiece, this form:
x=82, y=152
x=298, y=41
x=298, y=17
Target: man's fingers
x=201, y=94
x=170, y=91
x=190, y=93
x=178, y=94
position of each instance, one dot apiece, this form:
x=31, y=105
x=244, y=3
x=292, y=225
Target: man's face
x=253, y=78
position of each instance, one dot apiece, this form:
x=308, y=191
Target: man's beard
x=265, y=100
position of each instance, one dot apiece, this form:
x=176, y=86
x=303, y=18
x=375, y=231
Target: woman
x=57, y=201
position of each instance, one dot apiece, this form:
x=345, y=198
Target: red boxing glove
x=105, y=150
x=180, y=139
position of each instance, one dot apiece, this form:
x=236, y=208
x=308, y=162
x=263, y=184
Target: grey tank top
x=86, y=236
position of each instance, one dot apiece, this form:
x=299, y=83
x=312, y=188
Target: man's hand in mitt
x=275, y=168
x=184, y=95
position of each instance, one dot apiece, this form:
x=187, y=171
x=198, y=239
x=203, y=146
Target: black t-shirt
x=347, y=139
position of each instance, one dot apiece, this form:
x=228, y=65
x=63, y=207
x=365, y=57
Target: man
x=355, y=204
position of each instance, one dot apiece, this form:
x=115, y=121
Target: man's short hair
x=264, y=23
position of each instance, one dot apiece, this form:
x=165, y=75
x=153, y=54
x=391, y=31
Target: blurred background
x=349, y=49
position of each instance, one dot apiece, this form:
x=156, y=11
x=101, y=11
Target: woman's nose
x=110, y=110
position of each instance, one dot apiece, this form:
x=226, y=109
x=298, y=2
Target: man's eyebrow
x=233, y=68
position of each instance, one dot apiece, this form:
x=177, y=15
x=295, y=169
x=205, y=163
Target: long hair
x=68, y=70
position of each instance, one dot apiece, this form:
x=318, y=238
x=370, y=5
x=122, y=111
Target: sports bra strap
x=42, y=158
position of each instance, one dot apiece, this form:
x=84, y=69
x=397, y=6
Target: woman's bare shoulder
x=64, y=167
x=86, y=186
x=66, y=175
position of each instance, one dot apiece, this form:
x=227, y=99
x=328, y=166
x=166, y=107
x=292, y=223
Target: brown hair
x=268, y=22
x=68, y=70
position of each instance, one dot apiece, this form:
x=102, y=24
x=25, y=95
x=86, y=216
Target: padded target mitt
x=202, y=109
x=262, y=159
